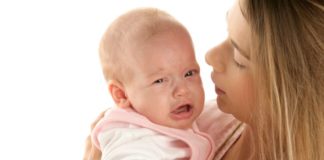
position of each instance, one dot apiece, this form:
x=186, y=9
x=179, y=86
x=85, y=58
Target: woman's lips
x=182, y=112
x=219, y=91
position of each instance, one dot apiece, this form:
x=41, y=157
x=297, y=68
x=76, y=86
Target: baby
x=153, y=77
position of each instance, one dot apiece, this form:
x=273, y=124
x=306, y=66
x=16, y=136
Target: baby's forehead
x=142, y=23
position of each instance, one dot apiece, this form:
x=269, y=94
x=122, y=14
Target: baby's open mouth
x=182, y=112
x=181, y=109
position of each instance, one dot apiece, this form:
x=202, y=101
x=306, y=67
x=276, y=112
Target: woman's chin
x=223, y=109
x=221, y=104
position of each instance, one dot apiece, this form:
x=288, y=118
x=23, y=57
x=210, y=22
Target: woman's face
x=232, y=69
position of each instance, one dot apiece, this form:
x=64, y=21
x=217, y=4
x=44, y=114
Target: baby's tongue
x=181, y=109
x=182, y=113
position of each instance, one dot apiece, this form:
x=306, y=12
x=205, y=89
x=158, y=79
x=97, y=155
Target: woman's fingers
x=101, y=115
x=92, y=152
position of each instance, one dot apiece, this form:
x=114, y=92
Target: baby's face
x=166, y=87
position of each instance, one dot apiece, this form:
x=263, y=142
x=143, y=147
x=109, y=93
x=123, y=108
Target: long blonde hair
x=288, y=52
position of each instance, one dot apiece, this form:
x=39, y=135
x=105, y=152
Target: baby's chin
x=178, y=122
x=184, y=125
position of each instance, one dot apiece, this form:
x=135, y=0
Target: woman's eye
x=239, y=65
x=158, y=81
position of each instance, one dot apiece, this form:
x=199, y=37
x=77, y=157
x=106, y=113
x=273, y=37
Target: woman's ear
x=118, y=94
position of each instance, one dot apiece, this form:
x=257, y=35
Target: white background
x=51, y=85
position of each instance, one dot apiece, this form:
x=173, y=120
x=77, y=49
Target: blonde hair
x=130, y=29
x=288, y=52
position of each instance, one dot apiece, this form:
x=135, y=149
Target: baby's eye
x=158, y=81
x=190, y=73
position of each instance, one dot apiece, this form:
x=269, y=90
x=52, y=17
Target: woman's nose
x=215, y=59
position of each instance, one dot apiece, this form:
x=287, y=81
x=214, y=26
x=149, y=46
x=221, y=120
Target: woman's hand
x=92, y=152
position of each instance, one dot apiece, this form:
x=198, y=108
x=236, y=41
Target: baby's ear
x=118, y=94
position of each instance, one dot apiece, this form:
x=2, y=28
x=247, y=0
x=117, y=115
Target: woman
x=269, y=74
x=276, y=86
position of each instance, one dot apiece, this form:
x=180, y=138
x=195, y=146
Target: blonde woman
x=268, y=74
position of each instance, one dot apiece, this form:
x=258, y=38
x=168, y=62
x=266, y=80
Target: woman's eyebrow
x=239, y=49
